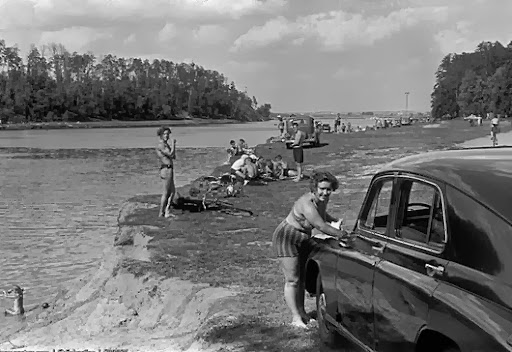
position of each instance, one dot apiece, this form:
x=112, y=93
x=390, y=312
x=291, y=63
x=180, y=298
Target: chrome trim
x=429, y=249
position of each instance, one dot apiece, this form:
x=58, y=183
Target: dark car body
x=306, y=125
x=431, y=266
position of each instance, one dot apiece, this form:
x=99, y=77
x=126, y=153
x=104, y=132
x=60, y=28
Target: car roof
x=485, y=174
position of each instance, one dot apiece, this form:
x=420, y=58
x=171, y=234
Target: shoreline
x=115, y=124
x=197, y=302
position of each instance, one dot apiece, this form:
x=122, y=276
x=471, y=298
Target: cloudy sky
x=299, y=55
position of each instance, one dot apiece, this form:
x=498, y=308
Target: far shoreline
x=117, y=124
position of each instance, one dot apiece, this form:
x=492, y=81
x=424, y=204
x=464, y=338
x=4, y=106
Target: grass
x=230, y=251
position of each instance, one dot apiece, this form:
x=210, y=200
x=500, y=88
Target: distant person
x=292, y=241
x=495, y=129
x=238, y=167
x=166, y=151
x=318, y=131
x=337, y=123
x=250, y=170
x=280, y=126
x=242, y=145
x=298, y=151
x=280, y=167
x=232, y=150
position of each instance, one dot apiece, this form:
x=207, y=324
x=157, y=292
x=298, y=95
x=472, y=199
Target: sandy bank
x=207, y=279
x=113, y=308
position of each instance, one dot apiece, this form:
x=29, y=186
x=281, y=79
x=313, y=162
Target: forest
x=51, y=84
x=474, y=83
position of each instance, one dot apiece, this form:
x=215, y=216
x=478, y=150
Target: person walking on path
x=280, y=126
x=166, y=151
x=292, y=241
x=298, y=151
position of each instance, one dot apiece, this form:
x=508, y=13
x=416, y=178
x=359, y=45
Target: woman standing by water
x=166, y=151
x=292, y=239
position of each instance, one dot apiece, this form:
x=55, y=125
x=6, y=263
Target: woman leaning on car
x=292, y=239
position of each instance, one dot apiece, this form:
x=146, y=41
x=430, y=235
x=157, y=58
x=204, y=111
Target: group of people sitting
x=250, y=167
x=237, y=149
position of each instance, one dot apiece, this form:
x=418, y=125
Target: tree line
x=55, y=85
x=474, y=83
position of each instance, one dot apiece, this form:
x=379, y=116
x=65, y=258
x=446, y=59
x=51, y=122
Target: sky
x=297, y=55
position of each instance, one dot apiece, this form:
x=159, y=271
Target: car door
x=355, y=266
x=406, y=277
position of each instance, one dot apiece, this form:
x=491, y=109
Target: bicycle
x=208, y=193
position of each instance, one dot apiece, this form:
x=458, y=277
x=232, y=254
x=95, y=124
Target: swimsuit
x=289, y=241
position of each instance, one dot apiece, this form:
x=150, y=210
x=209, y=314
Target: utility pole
x=406, y=102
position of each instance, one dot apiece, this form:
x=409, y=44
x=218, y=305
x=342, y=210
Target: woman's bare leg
x=301, y=292
x=167, y=194
x=290, y=266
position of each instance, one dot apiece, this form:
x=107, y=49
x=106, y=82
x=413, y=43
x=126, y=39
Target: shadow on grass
x=196, y=206
x=311, y=146
x=251, y=334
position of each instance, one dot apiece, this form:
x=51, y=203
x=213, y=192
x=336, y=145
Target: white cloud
x=58, y=14
x=168, y=33
x=475, y=21
x=74, y=38
x=130, y=39
x=337, y=30
x=259, y=36
x=210, y=34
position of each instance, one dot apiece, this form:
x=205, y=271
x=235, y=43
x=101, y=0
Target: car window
x=479, y=238
x=420, y=216
x=376, y=214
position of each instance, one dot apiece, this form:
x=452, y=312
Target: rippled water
x=58, y=207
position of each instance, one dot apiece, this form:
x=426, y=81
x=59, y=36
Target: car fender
x=473, y=323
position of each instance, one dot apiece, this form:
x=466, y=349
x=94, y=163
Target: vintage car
x=430, y=268
x=306, y=125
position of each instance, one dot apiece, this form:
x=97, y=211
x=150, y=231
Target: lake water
x=60, y=193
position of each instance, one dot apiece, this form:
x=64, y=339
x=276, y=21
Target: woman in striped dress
x=292, y=239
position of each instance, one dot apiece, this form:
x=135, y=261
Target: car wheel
x=328, y=337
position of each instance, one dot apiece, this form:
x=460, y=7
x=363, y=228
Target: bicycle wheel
x=236, y=212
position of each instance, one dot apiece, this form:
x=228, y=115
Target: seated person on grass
x=250, y=168
x=238, y=168
x=267, y=168
x=261, y=164
x=244, y=147
x=281, y=169
x=233, y=150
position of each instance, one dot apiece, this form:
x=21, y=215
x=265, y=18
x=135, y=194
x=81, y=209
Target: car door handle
x=434, y=270
x=379, y=248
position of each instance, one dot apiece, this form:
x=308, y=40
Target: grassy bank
x=229, y=251
x=113, y=124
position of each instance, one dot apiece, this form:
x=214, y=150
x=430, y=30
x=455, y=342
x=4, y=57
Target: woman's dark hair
x=161, y=131
x=321, y=176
